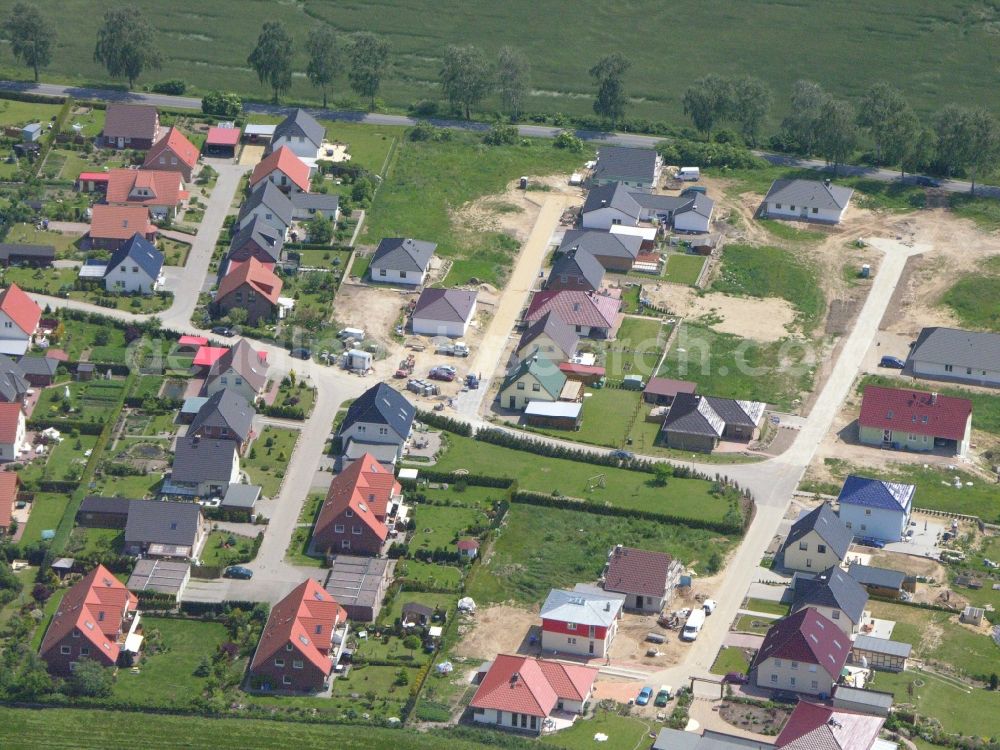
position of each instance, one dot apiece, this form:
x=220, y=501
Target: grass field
x=541, y=548
x=623, y=732
x=65, y=244
x=437, y=576
x=21, y=113
x=788, y=231
x=428, y=181
x=985, y=212
x=729, y=366
x=271, y=452
x=766, y=606
x=46, y=511
x=966, y=297
x=751, y=624
x=607, y=418
x=683, y=269
x=439, y=526
x=958, y=709
x=730, y=659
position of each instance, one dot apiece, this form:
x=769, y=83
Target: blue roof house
x=876, y=509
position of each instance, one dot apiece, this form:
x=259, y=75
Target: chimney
x=607, y=606
x=827, y=182
x=604, y=202
x=934, y=398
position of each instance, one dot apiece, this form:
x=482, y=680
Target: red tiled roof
x=94, y=606
x=93, y=176
x=164, y=188
x=176, y=142
x=306, y=618
x=10, y=416
x=8, y=496
x=208, y=356
x=256, y=274
x=576, y=308
x=637, y=571
x=522, y=684
x=20, y=308
x=120, y=222
x=918, y=412
x=815, y=727
x=365, y=487
x=222, y=136
x=808, y=637
x=187, y=340
x=577, y=369
x=668, y=387
x=466, y=544
x=285, y=160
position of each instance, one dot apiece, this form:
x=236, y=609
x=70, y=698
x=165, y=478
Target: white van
x=693, y=625
x=689, y=174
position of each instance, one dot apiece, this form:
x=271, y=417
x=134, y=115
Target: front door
x=513, y=402
x=591, y=647
x=886, y=436
x=804, y=213
x=638, y=602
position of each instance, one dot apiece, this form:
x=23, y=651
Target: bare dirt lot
x=499, y=629
x=762, y=319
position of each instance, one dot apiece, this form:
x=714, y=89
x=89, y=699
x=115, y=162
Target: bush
x=424, y=131
x=424, y=108
x=568, y=141
x=174, y=87
x=441, y=422
x=501, y=135
x=700, y=154
x=222, y=103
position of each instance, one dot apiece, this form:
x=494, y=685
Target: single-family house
x=12, y=429
x=225, y=415
x=284, y=169
x=378, y=422
x=468, y=548
x=699, y=423
x=816, y=541
x=267, y=203
x=301, y=643
x=160, y=192
x=258, y=239
x=875, y=508
x=534, y=379
x=401, y=260
x=23, y=254
x=112, y=226
x=359, y=506
x=808, y=200
x=617, y=253
x=161, y=528
x=14, y=386
x=19, y=318
x=522, y=692
x=834, y=594
x=307, y=206
x=300, y=133
x=662, y=391
x=804, y=652
x=203, y=467
x=249, y=285
x=39, y=371
x=881, y=654
x=96, y=619
x=173, y=153
x=8, y=496
x=102, y=512
x=415, y=614
x=812, y=726
x=647, y=578
x=914, y=420
x=884, y=582
x=636, y=168
x=549, y=337
x=657, y=208
x=576, y=270
x=241, y=369
x=132, y=126
x=134, y=268
x=590, y=314
x=443, y=312
x=971, y=357
x=694, y=216
x=222, y=140
x=609, y=205
x=579, y=622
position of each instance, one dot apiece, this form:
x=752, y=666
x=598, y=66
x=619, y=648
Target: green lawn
x=683, y=269
x=624, y=733
x=784, y=230
x=360, y=265
x=432, y=574
x=298, y=549
x=971, y=712
x=64, y=462
x=65, y=244
x=47, y=510
x=966, y=297
x=482, y=498
x=89, y=400
x=766, y=606
x=687, y=498
x=175, y=253
x=985, y=212
x=64, y=164
x=751, y=624
x=772, y=272
x=608, y=414
x=430, y=180
x=84, y=542
x=440, y=526
x=299, y=395
x=269, y=455
x=81, y=337
x=729, y=366
x=636, y=349
x=540, y=548
x=50, y=281
x=730, y=659
x=223, y=548
x=21, y=113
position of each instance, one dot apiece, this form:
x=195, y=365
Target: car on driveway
x=223, y=331
x=301, y=353
x=928, y=182
x=238, y=571
x=644, y=695
x=784, y=696
x=623, y=455
x=734, y=678
x=662, y=697
x=894, y=362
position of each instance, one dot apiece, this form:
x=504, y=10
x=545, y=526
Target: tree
x=369, y=58
x=706, y=102
x=411, y=643
x=90, y=679
x=466, y=77
x=222, y=103
x=611, y=98
x=750, y=101
x=803, y=120
x=951, y=126
x=513, y=73
x=899, y=138
x=662, y=474
x=125, y=44
x=920, y=152
x=325, y=56
x=271, y=59
x=880, y=107
x=837, y=133
x=30, y=36
x=320, y=230
x=983, y=144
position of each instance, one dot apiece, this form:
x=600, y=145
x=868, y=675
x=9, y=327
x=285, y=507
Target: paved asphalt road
x=535, y=131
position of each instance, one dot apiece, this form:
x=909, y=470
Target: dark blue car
x=894, y=362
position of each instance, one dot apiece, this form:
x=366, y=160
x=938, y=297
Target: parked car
x=223, y=331
x=443, y=372
x=238, y=571
x=894, y=362
x=709, y=606
x=928, y=182
x=871, y=542
x=735, y=678
x=662, y=697
x=623, y=455
x=644, y=696
x=301, y=353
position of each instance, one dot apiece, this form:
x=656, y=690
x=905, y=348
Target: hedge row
x=214, y=609
x=441, y=422
x=64, y=425
x=473, y=480
x=278, y=411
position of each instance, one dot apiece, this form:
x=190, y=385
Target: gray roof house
x=443, y=312
x=134, y=266
x=676, y=739
x=226, y=415
x=301, y=132
x=577, y=270
x=159, y=528
x=817, y=540
x=378, y=422
x=203, y=467
x=953, y=354
x=13, y=383
x=637, y=168
x=257, y=239
x=401, y=260
x=307, y=206
x=832, y=592
x=616, y=252
x=699, y=423
x=549, y=337
x=877, y=580
x=611, y=204
x=808, y=200
x=38, y=370
x=268, y=202
x=240, y=368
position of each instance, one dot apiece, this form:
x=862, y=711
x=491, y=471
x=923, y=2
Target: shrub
x=173, y=86
x=568, y=141
x=501, y=135
x=222, y=103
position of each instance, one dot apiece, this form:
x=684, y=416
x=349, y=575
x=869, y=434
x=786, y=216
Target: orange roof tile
x=120, y=222
x=285, y=160
x=8, y=496
x=20, y=308
x=10, y=416
x=176, y=142
x=366, y=487
x=526, y=685
x=155, y=187
x=261, y=278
